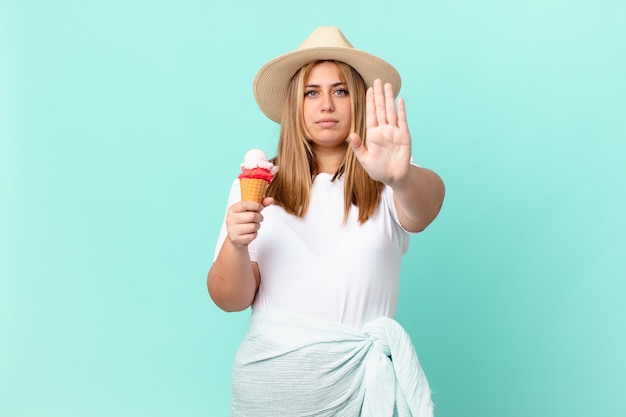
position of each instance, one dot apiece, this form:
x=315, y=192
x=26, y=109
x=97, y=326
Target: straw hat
x=326, y=42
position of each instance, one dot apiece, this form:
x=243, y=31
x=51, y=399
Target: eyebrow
x=318, y=86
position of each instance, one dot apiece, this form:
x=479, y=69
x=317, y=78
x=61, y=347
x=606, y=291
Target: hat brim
x=272, y=81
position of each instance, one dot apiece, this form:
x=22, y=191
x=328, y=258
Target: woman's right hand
x=233, y=280
x=243, y=221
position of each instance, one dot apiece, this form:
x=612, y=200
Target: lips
x=327, y=122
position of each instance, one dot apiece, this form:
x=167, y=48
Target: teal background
x=122, y=124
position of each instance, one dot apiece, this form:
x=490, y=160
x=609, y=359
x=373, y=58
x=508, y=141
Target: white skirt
x=291, y=365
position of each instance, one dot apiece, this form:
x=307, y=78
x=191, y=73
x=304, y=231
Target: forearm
x=418, y=198
x=232, y=281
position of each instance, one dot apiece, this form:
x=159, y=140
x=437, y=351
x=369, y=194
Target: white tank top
x=316, y=265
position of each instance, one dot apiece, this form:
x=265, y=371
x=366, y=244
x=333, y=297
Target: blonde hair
x=297, y=165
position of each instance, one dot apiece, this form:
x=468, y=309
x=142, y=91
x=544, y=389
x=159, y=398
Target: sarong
x=291, y=365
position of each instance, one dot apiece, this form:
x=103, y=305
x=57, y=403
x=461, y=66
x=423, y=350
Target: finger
x=242, y=238
x=243, y=228
x=402, y=123
x=250, y=206
x=390, y=105
x=379, y=102
x=370, y=109
x=241, y=231
x=238, y=218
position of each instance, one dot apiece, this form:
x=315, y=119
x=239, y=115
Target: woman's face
x=326, y=107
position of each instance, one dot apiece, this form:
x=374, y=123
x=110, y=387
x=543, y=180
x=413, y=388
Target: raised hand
x=386, y=153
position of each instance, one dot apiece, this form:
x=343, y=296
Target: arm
x=419, y=199
x=418, y=192
x=233, y=279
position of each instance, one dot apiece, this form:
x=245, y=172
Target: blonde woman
x=322, y=274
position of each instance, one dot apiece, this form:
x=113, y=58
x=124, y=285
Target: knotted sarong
x=290, y=365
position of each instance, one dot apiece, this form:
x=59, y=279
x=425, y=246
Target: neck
x=329, y=160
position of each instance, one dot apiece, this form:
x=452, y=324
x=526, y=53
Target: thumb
x=267, y=201
x=357, y=145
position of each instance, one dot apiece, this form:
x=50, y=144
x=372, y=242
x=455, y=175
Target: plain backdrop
x=122, y=124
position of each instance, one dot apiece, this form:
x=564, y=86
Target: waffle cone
x=252, y=189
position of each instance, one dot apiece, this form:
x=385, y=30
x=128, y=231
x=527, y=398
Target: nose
x=327, y=103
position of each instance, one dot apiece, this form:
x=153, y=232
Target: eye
x=341, y=92
x=310, y=93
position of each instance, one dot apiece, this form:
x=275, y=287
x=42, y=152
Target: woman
x=322, y=276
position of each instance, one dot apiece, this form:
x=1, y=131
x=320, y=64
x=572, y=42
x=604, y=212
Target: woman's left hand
x=387, y=153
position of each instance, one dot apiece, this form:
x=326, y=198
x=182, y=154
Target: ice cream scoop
x=256, y=174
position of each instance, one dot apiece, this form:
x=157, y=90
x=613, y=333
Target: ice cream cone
x=253, y=189
x=256, y=174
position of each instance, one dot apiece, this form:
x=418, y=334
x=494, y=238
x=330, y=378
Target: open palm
x=387, y=151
